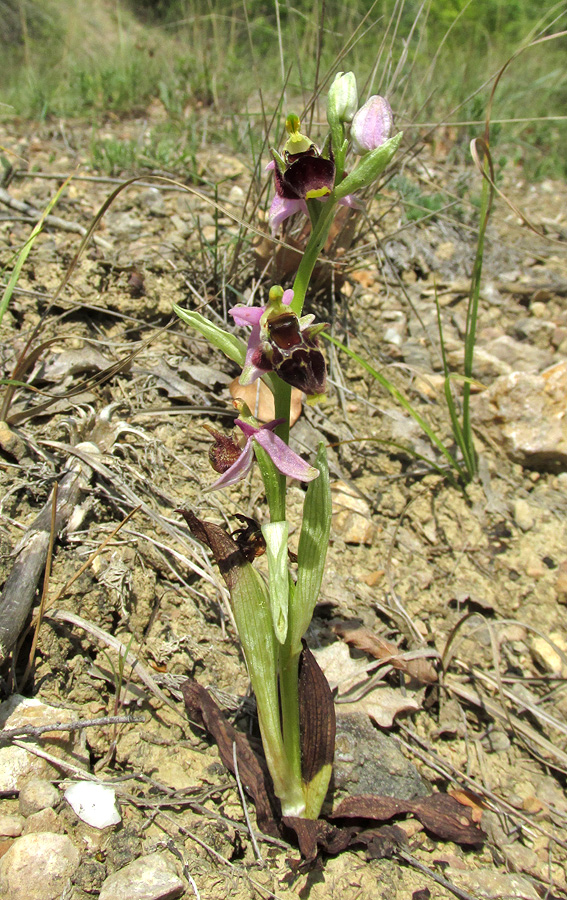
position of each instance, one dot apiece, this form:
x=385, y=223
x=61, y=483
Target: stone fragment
x=351, y=515
x=37, y=794
x=152, y=200
x=521, y=356
x=44, y=820
x=526, y=415
x=17, y=765
x=151, y=877
x=11, y=826
x=37, y=867
x=369, y=762
x=486, y=884
x=547, y=657
x=523, y=514
x=94, y=803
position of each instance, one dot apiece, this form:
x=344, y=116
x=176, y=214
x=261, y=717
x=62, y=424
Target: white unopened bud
x=342, y=99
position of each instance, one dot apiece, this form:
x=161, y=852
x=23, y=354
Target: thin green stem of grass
x=405, y=404
x=472, y=316
x=25, y=251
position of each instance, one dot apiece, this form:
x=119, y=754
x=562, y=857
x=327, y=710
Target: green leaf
x=369, y=168
x=230, y=345
x=312, y=550
x=276, y=535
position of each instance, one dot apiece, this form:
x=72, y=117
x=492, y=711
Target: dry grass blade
x=552, y=755
x=62, y=615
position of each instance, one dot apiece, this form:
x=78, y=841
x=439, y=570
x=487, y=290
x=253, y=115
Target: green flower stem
x=315, y=245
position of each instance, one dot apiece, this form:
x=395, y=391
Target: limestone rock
x=37, y=867
x=151, y=877
x=11, y=826
x=37, y=794
x=43, y=820
x=351, y=515
x=16, y=764
x=369, y=762
x=526, y=415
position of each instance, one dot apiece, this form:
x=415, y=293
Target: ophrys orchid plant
x=283, y=349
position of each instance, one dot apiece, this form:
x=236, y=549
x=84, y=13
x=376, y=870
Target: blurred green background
x=434, y=61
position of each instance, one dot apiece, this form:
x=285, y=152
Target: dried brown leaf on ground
x=202, y=709
x=364, y=639
x=440, y=813
x=359, y=693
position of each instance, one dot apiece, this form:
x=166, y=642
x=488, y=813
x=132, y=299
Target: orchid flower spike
x=234, y=459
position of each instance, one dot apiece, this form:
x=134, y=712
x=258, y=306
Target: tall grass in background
x=93, y=57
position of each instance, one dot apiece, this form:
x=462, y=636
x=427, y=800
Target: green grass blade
x=404, y=403
x=25, y=251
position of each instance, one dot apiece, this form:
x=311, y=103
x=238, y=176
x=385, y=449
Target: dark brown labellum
x=284, y=331
x=305, y=369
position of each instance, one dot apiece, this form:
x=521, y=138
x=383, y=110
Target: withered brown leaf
x=316, y=716
x=439, y=813
x=364, y=639
x=202, y=709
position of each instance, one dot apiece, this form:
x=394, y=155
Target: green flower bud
x=342, y=99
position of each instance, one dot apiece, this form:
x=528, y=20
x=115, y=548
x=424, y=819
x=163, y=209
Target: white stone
x=151, y=877
x=37, y=867
x=94, y=803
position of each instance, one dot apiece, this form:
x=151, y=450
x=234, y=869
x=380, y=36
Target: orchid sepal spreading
x=235, y=461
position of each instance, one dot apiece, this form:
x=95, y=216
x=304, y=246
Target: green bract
x=230, y=345
x=369, y=168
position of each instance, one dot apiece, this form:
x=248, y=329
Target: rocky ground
x=472, y=583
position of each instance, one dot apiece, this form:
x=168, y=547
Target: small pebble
x=11, y=826
x=523, y=514
x=37, y=794
x=151, y=877
x=44, y=820
x=547, y=657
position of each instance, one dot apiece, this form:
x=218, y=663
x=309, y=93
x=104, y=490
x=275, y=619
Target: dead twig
x=31, y=554
x=37, y=730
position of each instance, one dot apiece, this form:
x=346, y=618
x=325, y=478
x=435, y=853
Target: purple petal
x=251, y=371
x=237, y=471
x=247, y=315
x=287, y=297
x=284, y=459
x=281, y=209
x=250, y=430
x=352, y=201
x=371, y=125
